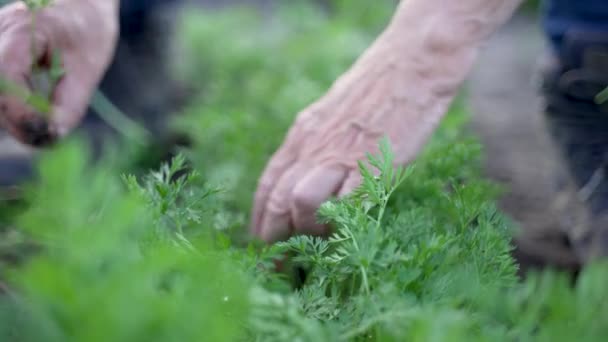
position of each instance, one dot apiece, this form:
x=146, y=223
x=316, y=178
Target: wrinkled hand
x=400, y=88
x=380, y=96
x=83, y=33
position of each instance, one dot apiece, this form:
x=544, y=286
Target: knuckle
x=277, y=205
x=305, y=200
x=264, y=184
x=354, y=180
x=279, y=160
x=16, y=23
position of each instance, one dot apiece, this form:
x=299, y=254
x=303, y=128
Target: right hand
x=386, y=93
x=83, y=33
x=400, y=87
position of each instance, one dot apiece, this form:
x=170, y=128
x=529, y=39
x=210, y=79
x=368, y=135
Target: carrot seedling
x=43, y=80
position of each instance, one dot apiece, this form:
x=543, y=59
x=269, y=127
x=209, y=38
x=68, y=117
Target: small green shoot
x=602, y=97
x=43, y=80
x=35, y=5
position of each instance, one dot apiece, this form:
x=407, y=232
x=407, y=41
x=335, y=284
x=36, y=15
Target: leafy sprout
x=414, y=254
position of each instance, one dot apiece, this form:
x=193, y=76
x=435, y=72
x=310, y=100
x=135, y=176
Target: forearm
x=449, y=23
x=444, y=36
x=404, y=83
x=400, y=88
x=431, y=44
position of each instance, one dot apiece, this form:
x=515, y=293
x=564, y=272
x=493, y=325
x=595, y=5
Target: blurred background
x=181, y=65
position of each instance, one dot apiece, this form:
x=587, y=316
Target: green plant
x=115, y=267
x=261, y=73
x=602, y=97
x=105, y=268
x=43, y=79
x=416, y=254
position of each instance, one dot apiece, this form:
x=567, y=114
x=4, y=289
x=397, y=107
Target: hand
x=400, y=88
x=380, y=96
x=83, y=34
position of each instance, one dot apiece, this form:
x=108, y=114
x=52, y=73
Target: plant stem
x=602, y=97
x=364, y=281
x=362, y=328
x=381, y=212
x=119, y=121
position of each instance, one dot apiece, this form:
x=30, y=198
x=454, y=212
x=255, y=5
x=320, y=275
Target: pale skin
x=84, y=32
x=401, y=87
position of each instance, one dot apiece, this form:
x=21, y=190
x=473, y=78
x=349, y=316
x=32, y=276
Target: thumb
x=71, y=100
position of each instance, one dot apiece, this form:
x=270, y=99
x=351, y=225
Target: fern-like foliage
x=416, y=254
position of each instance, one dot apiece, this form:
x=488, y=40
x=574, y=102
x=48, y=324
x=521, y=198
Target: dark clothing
x=133, y=14
x=128, y=7
x=561, y=16
x=138, y=81
x=578, y=31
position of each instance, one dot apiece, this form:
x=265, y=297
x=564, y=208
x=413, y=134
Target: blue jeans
x=561, y=16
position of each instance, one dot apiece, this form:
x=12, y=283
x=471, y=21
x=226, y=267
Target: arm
x=84, y=34
x=401, y=87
